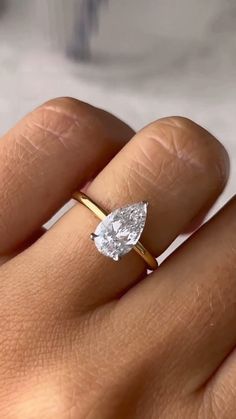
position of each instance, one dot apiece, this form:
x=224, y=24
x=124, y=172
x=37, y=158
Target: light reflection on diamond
x=120, y=231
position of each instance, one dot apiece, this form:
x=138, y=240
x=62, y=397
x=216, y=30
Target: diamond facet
x=120, y=231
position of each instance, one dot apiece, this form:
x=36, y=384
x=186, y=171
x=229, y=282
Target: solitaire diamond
x=120, y=231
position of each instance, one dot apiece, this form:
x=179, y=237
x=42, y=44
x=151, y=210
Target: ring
x=119, y=232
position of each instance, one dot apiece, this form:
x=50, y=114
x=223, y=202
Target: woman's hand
x=84, y=337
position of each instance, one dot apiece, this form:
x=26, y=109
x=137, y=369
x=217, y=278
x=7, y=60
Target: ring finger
x=175, y=165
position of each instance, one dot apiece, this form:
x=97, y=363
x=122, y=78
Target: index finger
x=54, y=150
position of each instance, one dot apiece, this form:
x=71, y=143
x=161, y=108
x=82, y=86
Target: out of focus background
x=140, y=59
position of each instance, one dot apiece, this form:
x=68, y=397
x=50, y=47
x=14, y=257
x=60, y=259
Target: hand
x=82, y=336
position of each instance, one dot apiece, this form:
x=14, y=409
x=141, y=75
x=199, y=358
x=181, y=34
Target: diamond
x=120, y=231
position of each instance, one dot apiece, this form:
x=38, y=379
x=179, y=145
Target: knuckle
x=57, y=111
x=181, y=141
x=66, y=108
x=63, y=103
x=56, y=120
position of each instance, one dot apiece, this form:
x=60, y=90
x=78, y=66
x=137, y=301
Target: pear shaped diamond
x=120, y=231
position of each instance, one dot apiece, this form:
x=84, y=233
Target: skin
x=81, y=336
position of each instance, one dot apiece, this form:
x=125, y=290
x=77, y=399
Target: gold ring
x=119, y=231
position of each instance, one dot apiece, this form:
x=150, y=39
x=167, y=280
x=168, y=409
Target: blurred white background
x=148, y=59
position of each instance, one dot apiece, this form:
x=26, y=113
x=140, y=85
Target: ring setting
x=119, y=231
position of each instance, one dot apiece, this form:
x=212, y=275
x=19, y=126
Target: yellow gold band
x=101, y=214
